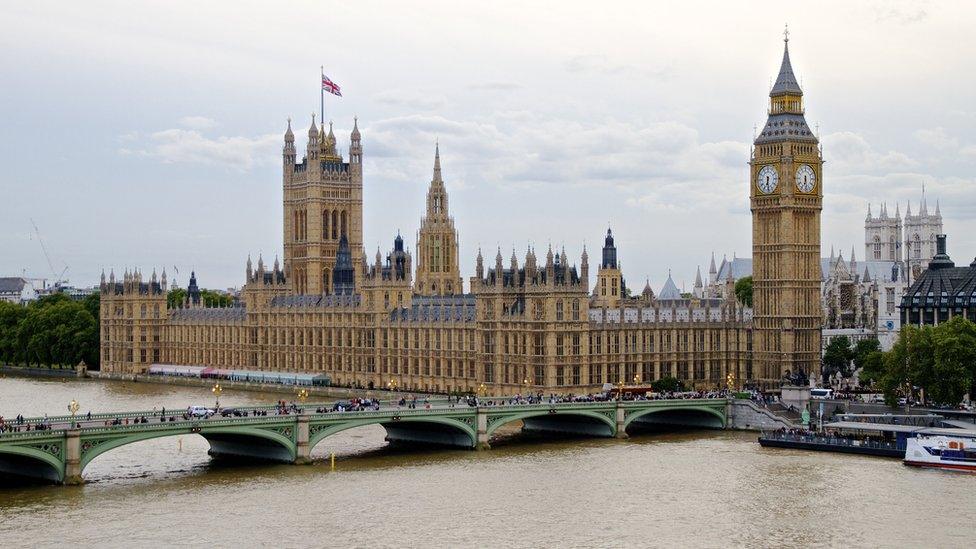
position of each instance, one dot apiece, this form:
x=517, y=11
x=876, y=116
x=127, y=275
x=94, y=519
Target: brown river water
x=688, y=489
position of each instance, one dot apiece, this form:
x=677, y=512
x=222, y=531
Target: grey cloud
x=181, y=146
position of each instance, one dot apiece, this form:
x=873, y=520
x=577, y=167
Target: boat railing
x=831, y=440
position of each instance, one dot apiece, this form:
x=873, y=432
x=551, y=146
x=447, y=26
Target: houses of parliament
x=532, y=322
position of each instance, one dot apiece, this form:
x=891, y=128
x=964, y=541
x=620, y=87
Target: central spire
x=786, y=81
x=437, y=162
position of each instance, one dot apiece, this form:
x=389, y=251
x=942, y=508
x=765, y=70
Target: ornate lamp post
x=302, y=396
x=620, y=390
x=730, y=381
x=73, y=408
x=216, y=390
x=392, y=386
x=482, y=390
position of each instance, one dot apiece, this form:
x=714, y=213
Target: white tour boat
x=942, y=451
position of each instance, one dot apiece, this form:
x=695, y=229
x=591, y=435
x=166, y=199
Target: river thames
x=697, y=488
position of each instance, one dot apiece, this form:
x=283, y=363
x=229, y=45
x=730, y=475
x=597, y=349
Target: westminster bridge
x=61, y=453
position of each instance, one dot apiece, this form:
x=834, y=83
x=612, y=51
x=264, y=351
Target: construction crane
x=58, y=278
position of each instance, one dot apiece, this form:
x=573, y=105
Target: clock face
x=767, y=179
x=805, y=178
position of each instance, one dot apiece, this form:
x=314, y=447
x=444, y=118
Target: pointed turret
x=479, y=267
x=249, y=271
x=868, y=218
x=670, y=290
x=786, y=83
x=289, y=135
x=866, y=277
x=437, y=162
x=938, y=211
x=712, y=270
x=785, y=121
x=313, y=132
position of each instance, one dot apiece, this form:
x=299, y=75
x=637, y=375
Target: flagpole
x=322, y=94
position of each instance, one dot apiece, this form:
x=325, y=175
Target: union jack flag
x=330, y=86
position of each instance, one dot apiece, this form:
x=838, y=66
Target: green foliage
x=667, y=384
x=175, y=298
x=837, y=357
x=872, y=368
x=940, y=360
x=211, y=298
x=743, y=290
x=53, y=330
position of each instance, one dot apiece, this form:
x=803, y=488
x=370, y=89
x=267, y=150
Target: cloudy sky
x=151, y=135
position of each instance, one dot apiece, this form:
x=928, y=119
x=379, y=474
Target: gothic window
x=335, y=224
x=891, y=248
x=877, y=247
x=325, y=224
x=343, y=222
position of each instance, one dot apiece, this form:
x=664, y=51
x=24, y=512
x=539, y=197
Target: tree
x=11, y=315
x=866, y=350
x=743, y=290
x=837, y=358
x=872, y=368
x=667, y=384
x=175, y=298
x=211, y=298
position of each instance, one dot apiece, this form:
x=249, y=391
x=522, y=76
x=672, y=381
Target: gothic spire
x=437, y=162
x=786, y=82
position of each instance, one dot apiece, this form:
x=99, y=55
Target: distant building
x=17, y=290
x=940, y=292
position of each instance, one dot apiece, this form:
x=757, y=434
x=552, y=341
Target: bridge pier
x=72, y=457
x=482, y=422
x=303, y=454
x=620, y=431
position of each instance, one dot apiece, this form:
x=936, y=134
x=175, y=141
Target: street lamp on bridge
x=73, y=408
x=216, y=390
x=302, y=396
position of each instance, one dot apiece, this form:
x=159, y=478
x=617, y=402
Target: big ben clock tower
x=786, y=191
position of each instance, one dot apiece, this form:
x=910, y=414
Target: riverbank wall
x=24, y=371
x=746, y=415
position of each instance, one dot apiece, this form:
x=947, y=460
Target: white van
x=199, y=411
x=821, y=394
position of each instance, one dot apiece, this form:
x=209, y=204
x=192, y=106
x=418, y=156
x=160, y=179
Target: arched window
x=877, y=247
x=325, y=224
x=891, y=248
x=335, y=224
x=343, y=232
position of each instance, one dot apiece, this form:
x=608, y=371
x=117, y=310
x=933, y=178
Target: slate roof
x=346, y=300
x=786, y=81
x=669, y=291
x=12, y=285
x=456, y=308
x=215, y=314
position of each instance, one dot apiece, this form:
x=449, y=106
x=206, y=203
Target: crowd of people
x=362, y=404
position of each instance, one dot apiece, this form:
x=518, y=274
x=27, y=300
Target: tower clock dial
x=767, y=179
x=805, y=178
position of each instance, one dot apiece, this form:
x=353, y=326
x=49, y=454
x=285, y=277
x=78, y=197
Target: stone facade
x=528, y=325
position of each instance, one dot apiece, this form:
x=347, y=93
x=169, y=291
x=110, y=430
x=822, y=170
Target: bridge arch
x=689, y=416
x=223, y=440
x=32, y=462
x=456, y=432
x=594, y=423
